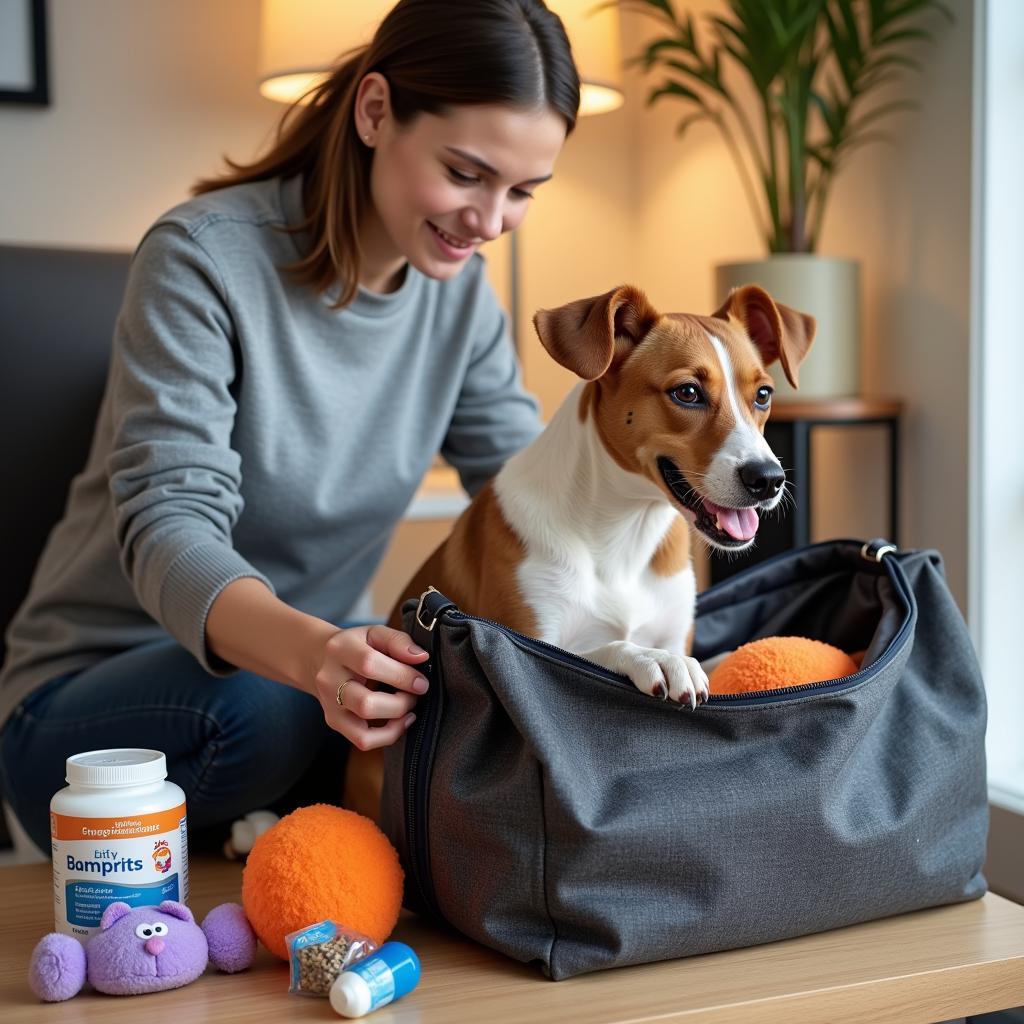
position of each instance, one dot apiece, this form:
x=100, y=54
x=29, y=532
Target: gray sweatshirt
x=249, y=430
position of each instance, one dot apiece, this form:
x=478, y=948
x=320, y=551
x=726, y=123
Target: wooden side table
x=789, y=431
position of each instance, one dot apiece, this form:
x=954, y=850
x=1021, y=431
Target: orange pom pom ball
x=321, y=863
x=778, y=661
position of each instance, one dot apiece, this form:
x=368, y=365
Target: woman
x=296, y=344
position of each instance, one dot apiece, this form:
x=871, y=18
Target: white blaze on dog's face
x=682, y=399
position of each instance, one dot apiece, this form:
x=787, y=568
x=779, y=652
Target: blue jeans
x=233, y=744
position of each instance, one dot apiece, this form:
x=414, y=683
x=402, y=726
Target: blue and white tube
x=376, y=980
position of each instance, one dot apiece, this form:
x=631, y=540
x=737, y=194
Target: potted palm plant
x=815, y=69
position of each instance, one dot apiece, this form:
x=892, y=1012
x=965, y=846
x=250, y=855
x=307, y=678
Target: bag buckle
x=875, y=550
x=419, y=610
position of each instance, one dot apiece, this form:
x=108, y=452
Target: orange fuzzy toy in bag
x=779, y=661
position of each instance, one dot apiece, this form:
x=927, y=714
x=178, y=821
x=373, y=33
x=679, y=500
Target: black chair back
x=57, y=313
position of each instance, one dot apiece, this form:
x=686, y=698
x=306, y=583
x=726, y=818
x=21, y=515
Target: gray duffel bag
x=543, y=806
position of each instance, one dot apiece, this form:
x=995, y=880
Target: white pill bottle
x=118, y=834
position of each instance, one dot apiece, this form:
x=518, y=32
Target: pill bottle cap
x=129, y=766
x=350, y=996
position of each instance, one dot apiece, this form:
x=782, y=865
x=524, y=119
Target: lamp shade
x=301, y=39
x=596, y=46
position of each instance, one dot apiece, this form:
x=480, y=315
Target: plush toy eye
x=159, y=928
x=146, y=931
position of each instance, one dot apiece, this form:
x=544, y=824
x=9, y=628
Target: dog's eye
x=763, y=398
x=687, y=394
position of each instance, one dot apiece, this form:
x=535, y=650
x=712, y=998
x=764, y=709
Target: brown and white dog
x=583, y=538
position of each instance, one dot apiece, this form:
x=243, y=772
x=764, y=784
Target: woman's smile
x=450, y=245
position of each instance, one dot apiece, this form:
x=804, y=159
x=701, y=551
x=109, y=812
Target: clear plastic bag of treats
x=319, y=953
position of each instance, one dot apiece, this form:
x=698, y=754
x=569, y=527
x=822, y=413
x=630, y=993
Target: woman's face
x=444, y=184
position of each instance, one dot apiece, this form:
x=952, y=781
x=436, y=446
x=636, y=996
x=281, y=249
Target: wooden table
x=929, y=966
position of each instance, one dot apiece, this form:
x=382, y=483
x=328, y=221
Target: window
x=996, y=545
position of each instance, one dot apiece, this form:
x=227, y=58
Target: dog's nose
x=762, y=480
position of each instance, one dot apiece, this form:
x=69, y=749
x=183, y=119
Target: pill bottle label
x=379, y=978
x=140, y=860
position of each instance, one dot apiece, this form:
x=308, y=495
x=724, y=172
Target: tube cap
x=128, y=766
x=350, y=995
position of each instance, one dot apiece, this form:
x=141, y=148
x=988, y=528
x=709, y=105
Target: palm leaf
x=674, y=89
x=685, y=124
x=866, y=139
x=869, y=82
x=856, y=127
x=700, y=74
x=903, y=34
x=655, y=8
x=894, y=60
x=654, y=51
x=829, y=113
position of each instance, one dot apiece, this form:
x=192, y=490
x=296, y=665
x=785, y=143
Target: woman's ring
x=340, y=697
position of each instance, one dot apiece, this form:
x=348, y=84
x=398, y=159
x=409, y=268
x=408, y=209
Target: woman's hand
x=356, y=661
x=251, y=628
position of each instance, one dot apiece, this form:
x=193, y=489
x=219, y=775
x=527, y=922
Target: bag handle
x=877, y=548
x=432, y=605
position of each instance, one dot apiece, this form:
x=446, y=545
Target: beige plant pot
x=828, y=289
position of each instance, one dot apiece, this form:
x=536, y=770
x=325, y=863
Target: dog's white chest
x=578, y=609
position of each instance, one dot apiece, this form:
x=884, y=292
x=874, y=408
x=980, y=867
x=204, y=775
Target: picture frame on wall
x=23, y=68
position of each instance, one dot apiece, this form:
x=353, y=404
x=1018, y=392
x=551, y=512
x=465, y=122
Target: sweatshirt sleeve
x=174, y=477
x=494, y=416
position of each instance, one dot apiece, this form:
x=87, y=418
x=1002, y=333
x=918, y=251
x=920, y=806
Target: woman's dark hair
x=435, y=54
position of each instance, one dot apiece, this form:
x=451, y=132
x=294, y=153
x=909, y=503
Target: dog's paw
x=670, y=676
x=658, y=673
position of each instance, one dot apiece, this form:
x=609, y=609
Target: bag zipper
x=568, y=658
x=734, y=699
x=417, y=775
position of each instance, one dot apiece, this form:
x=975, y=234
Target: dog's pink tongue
x=739, y=523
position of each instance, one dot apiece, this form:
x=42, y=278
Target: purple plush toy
x=146, y=949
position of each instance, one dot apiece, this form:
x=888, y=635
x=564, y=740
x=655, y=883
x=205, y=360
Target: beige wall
x=145, y=97
x=148, y=94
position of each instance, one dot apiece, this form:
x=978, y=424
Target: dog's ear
x=581, y=336
x=777, y=331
